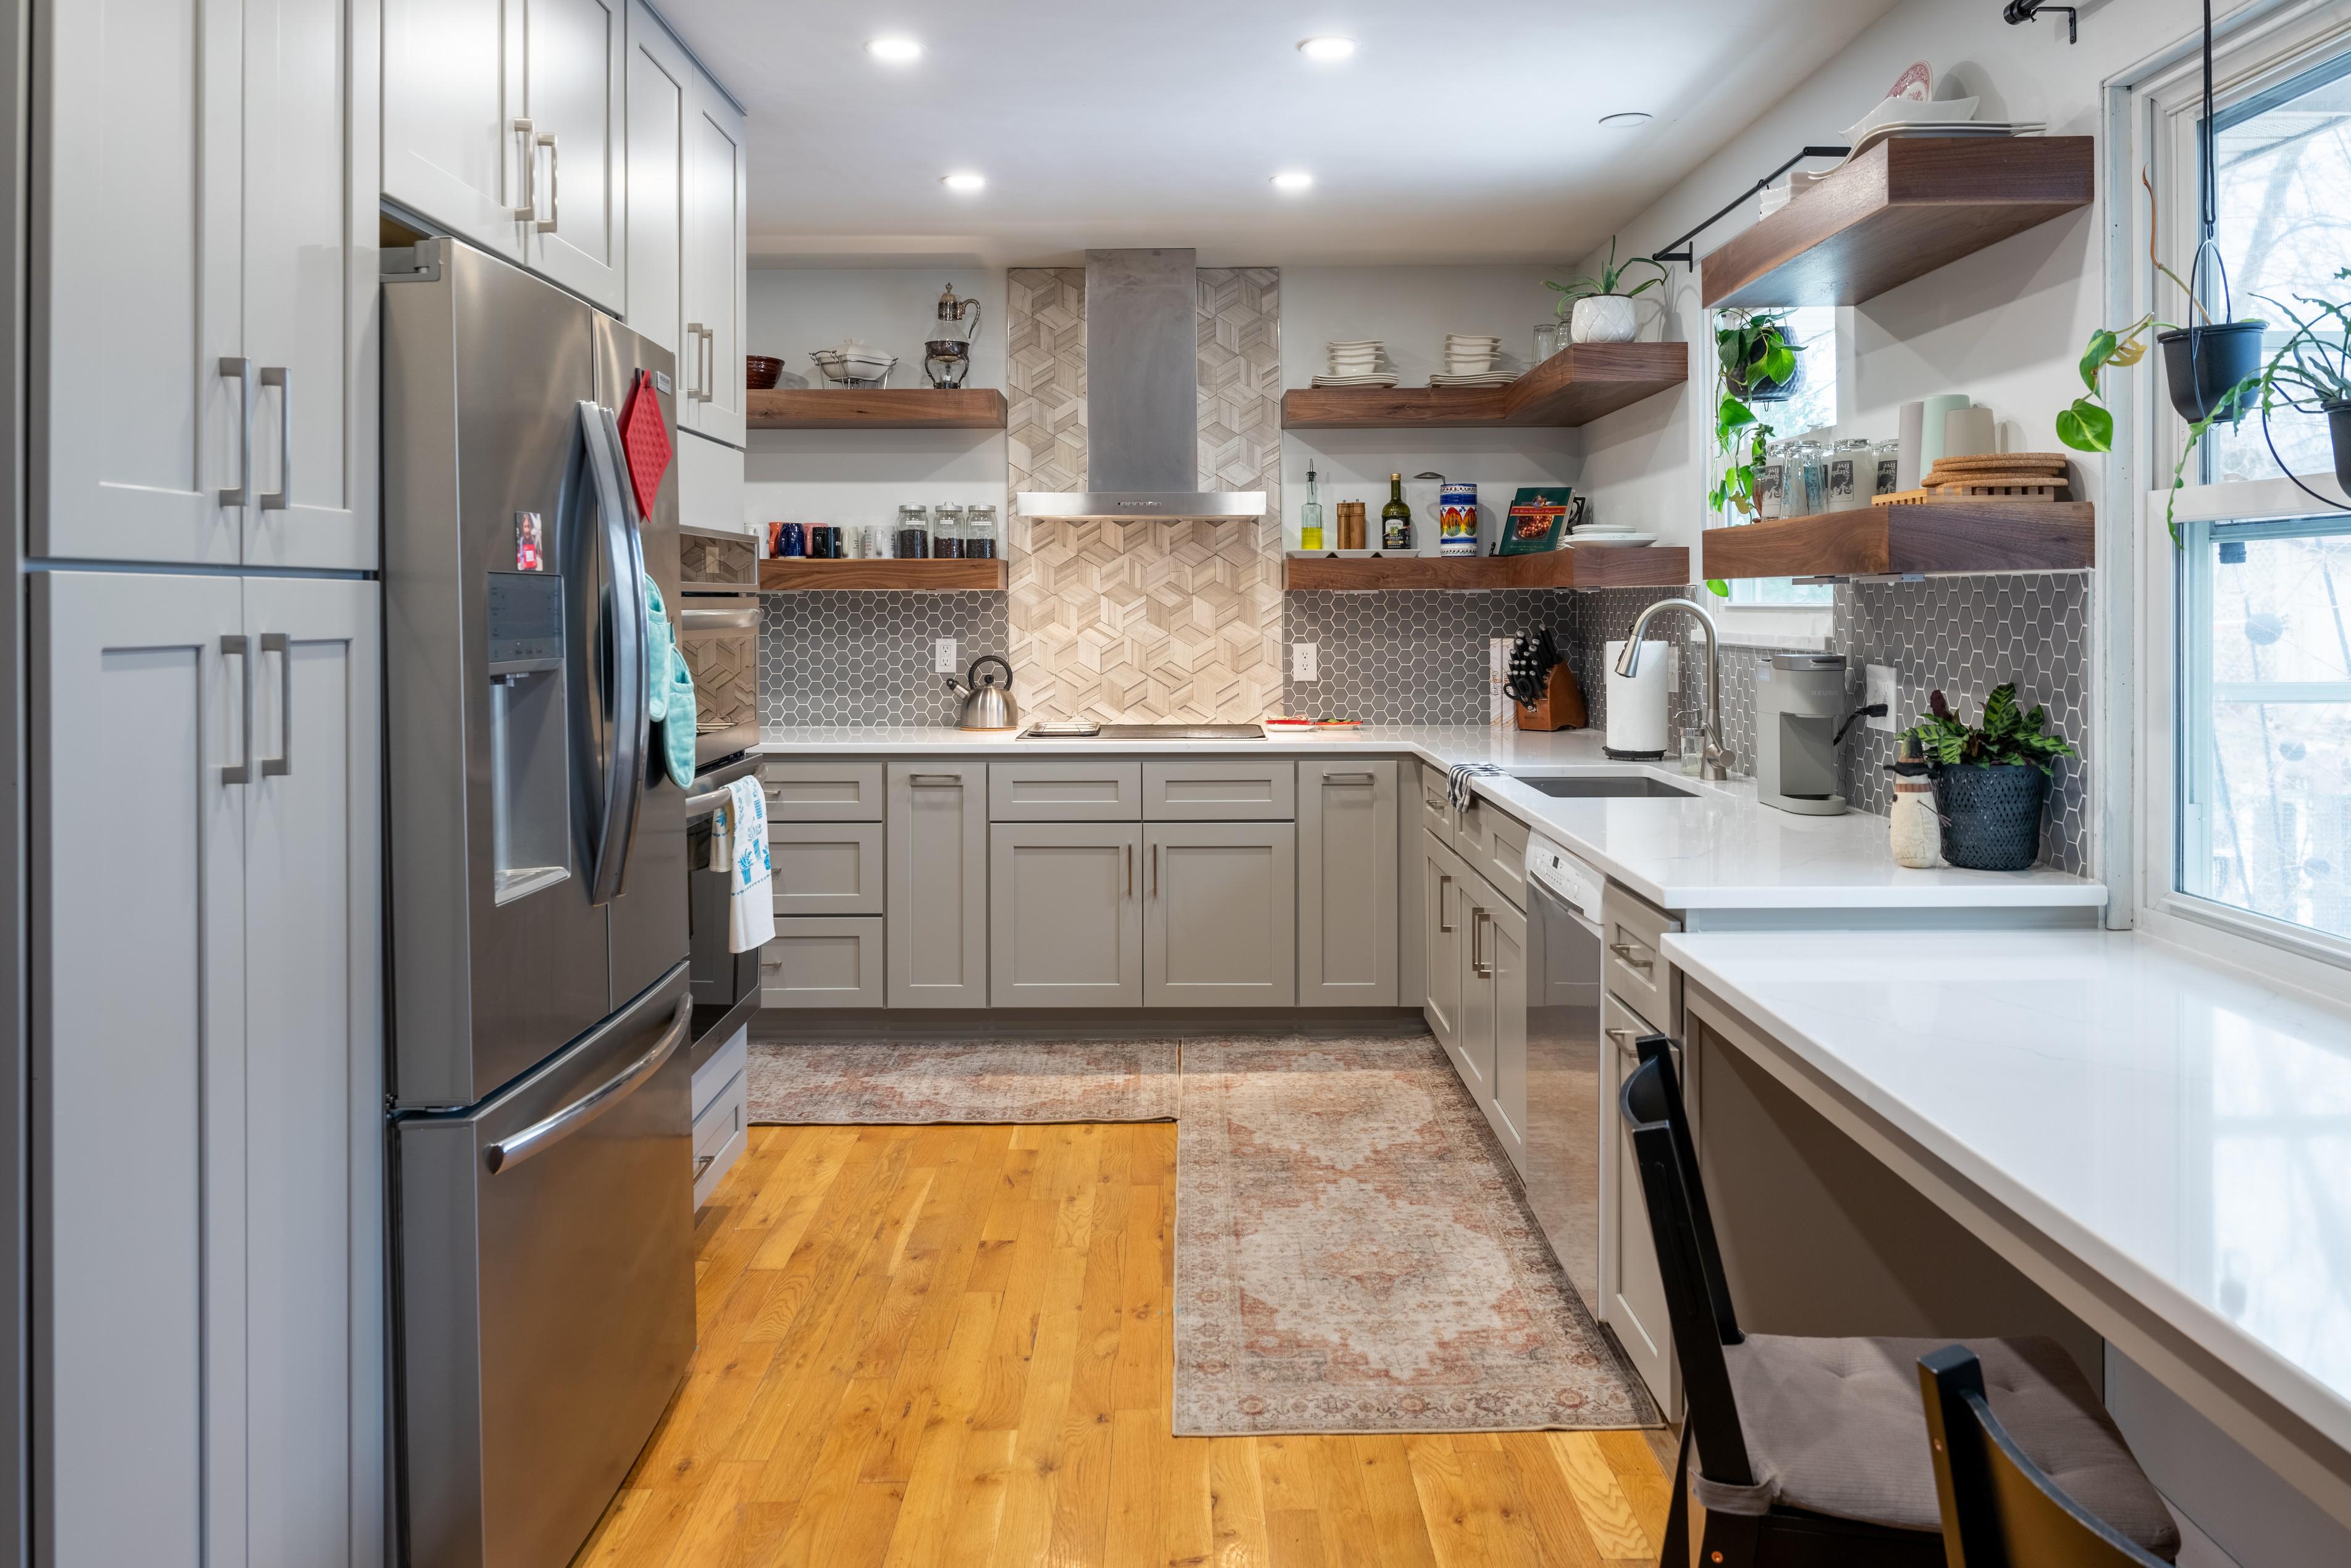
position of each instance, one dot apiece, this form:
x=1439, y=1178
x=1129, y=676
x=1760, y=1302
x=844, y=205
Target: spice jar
x=979, y=533
x=1853, y=476
x=914, y=533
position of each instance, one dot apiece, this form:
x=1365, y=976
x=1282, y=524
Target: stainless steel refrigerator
x=541, y=1132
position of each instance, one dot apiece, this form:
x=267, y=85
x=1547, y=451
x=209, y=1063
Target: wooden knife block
x=1562, y=707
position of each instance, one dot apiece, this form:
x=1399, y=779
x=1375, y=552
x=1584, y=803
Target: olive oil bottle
x=1309, y=517
x=1395, y=518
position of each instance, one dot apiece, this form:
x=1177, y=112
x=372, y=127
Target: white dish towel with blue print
x=738, y=846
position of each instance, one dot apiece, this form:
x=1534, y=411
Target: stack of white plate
x=1356, y=364
x=1609, y=534
x=1470, y=361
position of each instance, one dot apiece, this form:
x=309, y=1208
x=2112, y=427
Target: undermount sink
x=1606, y=787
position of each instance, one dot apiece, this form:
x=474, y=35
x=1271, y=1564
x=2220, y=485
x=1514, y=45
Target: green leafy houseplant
x=1610, y=281
x=2007, y=736
x=1751, y=353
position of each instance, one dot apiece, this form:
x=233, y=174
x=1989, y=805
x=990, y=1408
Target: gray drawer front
x=1506, y=854
x=1220, y=789
x=1065, y=791
x=822, y=791
x=1436, y=811
x=825, y=868
x=823, y=962
x=1636, y=967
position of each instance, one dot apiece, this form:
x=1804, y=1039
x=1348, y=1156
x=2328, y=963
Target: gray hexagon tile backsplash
x=865, y=658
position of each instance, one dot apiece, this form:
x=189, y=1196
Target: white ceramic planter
x=1602, y=318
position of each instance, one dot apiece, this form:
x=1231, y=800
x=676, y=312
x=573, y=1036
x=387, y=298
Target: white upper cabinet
x=204, y=282
x=688, y=235
x=574, y=89
x=456, y=147
x=503, y=121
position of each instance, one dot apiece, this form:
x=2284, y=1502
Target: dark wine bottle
x=1395, y=517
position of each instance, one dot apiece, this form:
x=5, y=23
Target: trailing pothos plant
x=1753, y=358
x=2008, y=735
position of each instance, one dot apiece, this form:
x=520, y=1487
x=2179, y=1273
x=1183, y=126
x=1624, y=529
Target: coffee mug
x=792, y=539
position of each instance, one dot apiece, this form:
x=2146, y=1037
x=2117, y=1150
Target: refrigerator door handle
x=643, y=661
x=507, y=1153
x=625, y=760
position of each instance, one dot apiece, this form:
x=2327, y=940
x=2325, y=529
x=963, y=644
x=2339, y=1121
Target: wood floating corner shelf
x=1903, y=208
x=1574, y=387
x=1583, y=566
x=792, y=574
x=1981, y=533
x=875, y=408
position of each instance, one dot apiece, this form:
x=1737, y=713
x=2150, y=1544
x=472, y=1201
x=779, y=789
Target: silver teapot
x=946, y=353
x=985, y=705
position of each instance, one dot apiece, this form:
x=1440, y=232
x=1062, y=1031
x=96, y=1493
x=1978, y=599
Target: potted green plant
x=2311, y=372
x=1600, y=310
x=2204, y=364
x=1990, y=780
x=1754, y=362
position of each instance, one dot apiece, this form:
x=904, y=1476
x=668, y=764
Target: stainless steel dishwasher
x=1564, y=1062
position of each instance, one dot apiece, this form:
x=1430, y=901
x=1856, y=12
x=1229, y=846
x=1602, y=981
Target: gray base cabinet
x=1476, y=939
x=208, y=1069
x=1220, y=917
x=1440, y=924
x=1347, y=883
x=1065, y=913
x=937, y=875
x=823, y=962
x=1632, y=1288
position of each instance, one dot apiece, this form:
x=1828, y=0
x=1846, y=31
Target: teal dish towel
x=669, y=687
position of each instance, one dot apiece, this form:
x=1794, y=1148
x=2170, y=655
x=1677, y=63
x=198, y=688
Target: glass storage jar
x=1887, y=456
x=979, y=533
x=914, y=540
x=946, y=531
x=1853, y=476
x=1808, y=479
x=1772, y=482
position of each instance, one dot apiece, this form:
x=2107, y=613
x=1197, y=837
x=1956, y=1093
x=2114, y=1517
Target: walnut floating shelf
x=1983, y=534
x=1575, y=386
x=792, y=574
x=1907, y=206
x=1584, y=566
x=875, y=408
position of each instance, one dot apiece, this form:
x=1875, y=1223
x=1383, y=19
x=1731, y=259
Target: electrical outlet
x=1878, y=686
x=1306, y=661
x=942, y=657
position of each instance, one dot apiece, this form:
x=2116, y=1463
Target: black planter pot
x=1992, y=816
x=1768, y=391
x=2339, y=429
x=2201, y=364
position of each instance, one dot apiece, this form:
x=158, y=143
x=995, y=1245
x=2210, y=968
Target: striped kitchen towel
x=1458, y=777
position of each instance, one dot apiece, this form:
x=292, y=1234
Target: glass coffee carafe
x=946, y=348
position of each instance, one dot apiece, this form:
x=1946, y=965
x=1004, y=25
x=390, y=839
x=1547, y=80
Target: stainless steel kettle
x=985, y=705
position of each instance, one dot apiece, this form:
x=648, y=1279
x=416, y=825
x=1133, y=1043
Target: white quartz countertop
x=1719, y=849
x=2181, y=1127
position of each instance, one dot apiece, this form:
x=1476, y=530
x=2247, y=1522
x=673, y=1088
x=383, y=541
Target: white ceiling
x=1462, y=131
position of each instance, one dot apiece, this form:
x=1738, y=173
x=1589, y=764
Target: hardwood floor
x=949, y=1345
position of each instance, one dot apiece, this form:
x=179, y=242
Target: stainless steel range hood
x=1143, y=399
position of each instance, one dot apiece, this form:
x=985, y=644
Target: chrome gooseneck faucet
x=1628, y=664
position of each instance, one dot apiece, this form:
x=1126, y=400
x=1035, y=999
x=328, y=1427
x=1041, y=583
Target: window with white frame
x=2259, y=825
x=1810, y=409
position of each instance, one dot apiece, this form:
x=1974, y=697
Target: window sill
x=1803, y=628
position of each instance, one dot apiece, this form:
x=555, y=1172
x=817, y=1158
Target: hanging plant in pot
x=1600, y=310
x=1759, y=362
x=2311, y=374
x=2204, y=364
x=1754, y=363
x=1991, y=782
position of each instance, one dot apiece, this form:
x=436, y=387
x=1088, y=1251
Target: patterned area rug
x=888, y=1083
x=1352, y=1256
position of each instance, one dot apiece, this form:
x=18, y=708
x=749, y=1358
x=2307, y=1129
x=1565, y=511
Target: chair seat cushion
x=1837, y=1427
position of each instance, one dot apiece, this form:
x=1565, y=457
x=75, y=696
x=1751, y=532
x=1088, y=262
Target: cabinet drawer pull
x=1633, y=957
x=934, y=780
x=1443, y=882
x=241, y=492
x=1347, y=778
x=702, y=1164
x=1625, y=1038
x=526, y=209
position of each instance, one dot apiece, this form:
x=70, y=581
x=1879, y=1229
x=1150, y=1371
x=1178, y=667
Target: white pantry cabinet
x=208, y=1056
x=203, y=276
x=688, y=235
x=503, y=120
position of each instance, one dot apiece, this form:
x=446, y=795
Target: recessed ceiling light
x=1627, y=120
x=964, y=182
x=1326, y=49
x=896, y=50
x=1292, y=180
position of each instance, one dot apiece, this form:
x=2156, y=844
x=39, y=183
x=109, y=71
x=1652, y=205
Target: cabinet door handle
x=554, y=183
x=710, y=364
x=280, y=377
x=241, y=492
x=279, y=643
x=1129, y=870
x=241, y=772
x=693, y=377
x=1443, y=882
x=526, y=209
x=1628, y=953
x=1624, y=1038
x=1477, y=948
x=1155, y=870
